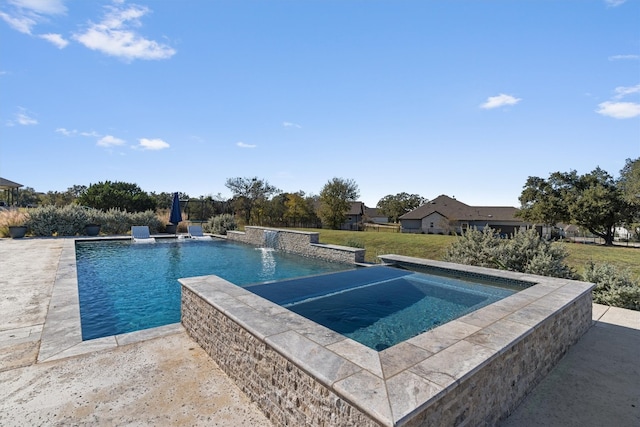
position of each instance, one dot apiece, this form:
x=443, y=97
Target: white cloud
x=22, y=118
x=26, y=14
x=623, y=57
x=619, y=110
x=18, y=23
x=44, y=7
x=110, y=141
x=622, y=91
x=500, y=101
x=92, y=133
x=291, y=125
x=243, y=145
x=115, y=35
x=25, y=120
x=614, y=3
x=66, y=132
x=75, y=132
x=56, y=39
x=152, y=144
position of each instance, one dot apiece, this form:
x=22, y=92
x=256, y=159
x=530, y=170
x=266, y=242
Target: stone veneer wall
x=286, y=394
x=497, y=388
x=299, y=242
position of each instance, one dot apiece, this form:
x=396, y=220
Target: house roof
x=373, y=212
x=5, y=184
x=455, y=210
x=357, y=208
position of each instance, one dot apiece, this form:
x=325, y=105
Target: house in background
x=10, y=191
x=445, y=215
x=358, y=214
x=355, y=217
x=372, y=215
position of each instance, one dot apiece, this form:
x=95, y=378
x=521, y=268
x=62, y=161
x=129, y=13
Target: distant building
x=355, y=217
x=10, y=192
x=445, y=215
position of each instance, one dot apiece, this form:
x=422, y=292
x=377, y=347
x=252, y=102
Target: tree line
x=595, y=201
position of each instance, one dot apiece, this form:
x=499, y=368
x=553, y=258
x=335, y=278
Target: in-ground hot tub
x=381, y=306
x=474, y=369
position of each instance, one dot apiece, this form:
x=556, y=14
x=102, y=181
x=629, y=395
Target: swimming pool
x=124, y=287
x=381, y=306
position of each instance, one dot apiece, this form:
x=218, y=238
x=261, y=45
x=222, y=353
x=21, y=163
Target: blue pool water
x=381, y=306
x=126, y=287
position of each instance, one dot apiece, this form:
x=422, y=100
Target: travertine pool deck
x=161, y=377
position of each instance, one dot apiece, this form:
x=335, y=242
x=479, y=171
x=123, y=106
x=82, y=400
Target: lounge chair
x=195, y=232
x=140, y=234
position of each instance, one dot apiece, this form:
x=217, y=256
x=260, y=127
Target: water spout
x=271, y=239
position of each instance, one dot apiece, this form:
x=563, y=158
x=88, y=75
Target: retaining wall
x=299, y=242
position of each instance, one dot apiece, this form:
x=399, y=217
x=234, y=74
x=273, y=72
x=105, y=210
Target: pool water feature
x=381, y=306
x=125, y=287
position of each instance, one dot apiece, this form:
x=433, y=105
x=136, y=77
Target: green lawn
x=432, y=246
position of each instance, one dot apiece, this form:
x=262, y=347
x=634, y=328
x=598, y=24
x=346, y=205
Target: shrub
x=528, y=253
x=146, y=218
x=475, y=247
x=12, y=217
x=70, y=220
x=525, y=252
x=48, y=220
x=220, y=224
x=614, y=287
x=116, y=221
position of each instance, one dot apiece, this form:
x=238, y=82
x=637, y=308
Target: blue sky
x=464, y=98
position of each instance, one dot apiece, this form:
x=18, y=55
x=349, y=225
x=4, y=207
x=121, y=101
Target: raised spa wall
x=471, y=371
x=297, y=242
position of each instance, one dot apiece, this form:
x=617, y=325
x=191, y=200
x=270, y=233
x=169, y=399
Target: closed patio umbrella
x=176, y=216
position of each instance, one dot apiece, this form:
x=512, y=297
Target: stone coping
x=395, y=384
x=61, y=335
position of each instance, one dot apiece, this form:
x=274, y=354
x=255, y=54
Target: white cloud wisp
x=110, y=141
x=24, y=15
x=244, y=145
x=115, y=35
x=619, y=109
x=500, y=101
x=152, y=144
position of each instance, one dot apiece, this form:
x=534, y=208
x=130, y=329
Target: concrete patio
x=162, y=377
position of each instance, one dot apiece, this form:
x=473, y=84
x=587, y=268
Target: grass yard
x=433, y=246
x=620, y=256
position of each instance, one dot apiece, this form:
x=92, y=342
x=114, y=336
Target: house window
x=431, y=225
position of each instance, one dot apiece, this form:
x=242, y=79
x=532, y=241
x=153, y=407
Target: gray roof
x=357, y=208
x=5, y=184
x=455, y=210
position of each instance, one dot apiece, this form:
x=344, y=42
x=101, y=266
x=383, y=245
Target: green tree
x=629, y=181
x=394, y=206
x=248, y=193
x=76, y=191
x=335, y=201
x=592, y=201
x=119, y=195
x=27, y=197
x=629, y=184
